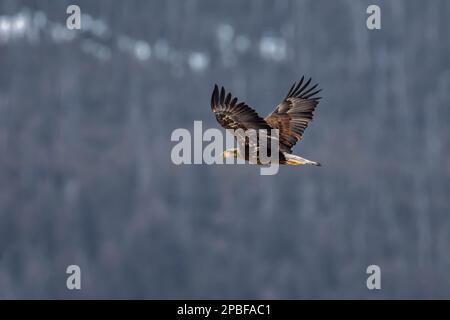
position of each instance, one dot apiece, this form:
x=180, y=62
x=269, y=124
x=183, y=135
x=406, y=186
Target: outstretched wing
x=294, y=113
x=233, y=115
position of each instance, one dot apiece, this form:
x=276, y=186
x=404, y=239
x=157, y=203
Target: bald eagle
x=290, y=117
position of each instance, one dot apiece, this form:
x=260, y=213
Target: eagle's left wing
x=233, y=115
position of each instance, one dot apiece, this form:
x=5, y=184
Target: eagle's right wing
x=294, y=113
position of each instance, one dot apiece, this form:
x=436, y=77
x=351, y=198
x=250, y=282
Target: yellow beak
x=227, y=154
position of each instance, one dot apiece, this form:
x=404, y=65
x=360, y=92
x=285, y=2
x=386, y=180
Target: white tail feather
x=292, y=159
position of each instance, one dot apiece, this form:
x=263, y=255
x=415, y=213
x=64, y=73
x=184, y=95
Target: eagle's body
x=290, y=117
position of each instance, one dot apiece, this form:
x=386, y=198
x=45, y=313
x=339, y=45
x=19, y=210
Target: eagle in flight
x=290, y=117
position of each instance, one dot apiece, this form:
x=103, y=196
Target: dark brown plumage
x=294, y=113
x=233, y=115
x=291, y=117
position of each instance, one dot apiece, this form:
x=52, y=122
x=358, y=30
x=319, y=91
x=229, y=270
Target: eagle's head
x=230, y=153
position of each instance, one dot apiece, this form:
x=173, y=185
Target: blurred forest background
x=86, y=176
